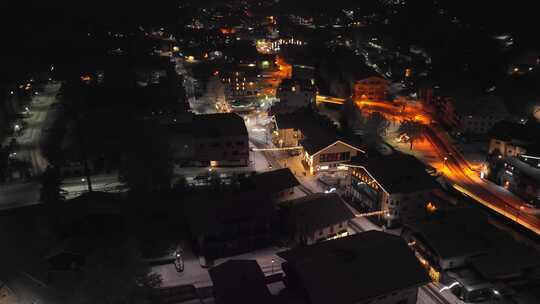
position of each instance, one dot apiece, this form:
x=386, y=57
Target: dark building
x=316, y=217
x=510, y=138
x=304, y=72
x=460, y=248
x=239, y=281
x=278, y=184
x=210, y=140
x=370, y=267
x=294, y=94
x=223, y=225
x=221, y=139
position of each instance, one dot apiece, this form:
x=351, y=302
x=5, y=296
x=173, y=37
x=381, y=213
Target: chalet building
x=278, y=184
x=398, y=184
x=322, y=154
x=373, y=88
x=370, y=267
x=316, y=217
x=320, y=145
x=510, y=139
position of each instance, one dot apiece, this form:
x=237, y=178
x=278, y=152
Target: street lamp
x=273, y=266
x=445, y=159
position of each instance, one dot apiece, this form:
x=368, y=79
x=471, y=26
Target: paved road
x=23, y=194
x=458, y=170
x=29, y=141
x=467, y=182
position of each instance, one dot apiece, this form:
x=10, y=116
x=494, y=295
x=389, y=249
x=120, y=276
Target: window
x=329, y=157
x=345, y=156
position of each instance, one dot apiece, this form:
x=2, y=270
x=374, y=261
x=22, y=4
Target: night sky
x=44, y=28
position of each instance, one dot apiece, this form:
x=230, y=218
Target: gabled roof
x=397, y=173
x=239, y=281
x=275, y=181
x=210, y=212
x=316, y=211
x=317, y=131
x=314, y=145
x=460, y=232
x=355, y=268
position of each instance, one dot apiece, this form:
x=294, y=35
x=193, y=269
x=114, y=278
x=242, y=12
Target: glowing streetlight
x=273, y=261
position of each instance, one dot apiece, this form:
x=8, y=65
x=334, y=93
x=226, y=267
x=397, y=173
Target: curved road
x=467, y=182
x=23, y=194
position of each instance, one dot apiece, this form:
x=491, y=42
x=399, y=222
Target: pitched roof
x=239, y=281
x=219, y=124
x=318, y=133
x=524, y=168
x=460, y=232
x=211, y=212
x=275, y=181
x=397, y=173
x=355, y=268
x=317, y=211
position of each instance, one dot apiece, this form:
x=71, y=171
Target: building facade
x=371, y=89
x=295, y=94
x=396, y=186
x=317, y=217
x=521, y=175
x=241, y=83
x=215, y=140
x=329, y=158
x=323, y=272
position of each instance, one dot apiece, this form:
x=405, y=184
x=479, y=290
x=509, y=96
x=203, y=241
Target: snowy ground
x=195, y=274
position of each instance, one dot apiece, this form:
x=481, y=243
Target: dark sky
x=31, y=25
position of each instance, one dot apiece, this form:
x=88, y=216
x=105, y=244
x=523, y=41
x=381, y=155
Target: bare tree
x=412, y=129
x=375, y=127
x=215, y=95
